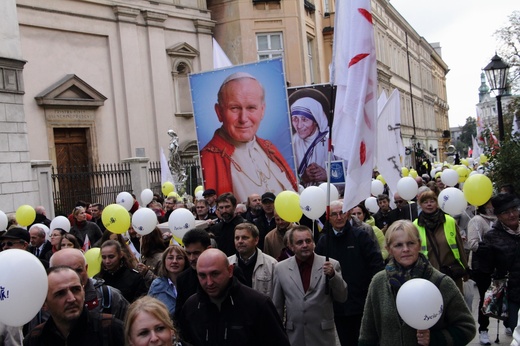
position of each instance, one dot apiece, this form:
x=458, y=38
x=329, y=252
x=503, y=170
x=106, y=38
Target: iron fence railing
x=91, y=184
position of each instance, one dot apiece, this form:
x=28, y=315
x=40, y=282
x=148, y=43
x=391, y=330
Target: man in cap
x=265, y=223
x=15, y=238
x=499, y=251
x=236, y=159
x=210, y=195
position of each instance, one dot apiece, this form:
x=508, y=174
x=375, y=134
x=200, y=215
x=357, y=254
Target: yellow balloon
x=404, y=171
x=483, y=159
x=197, y=189
x=438, y=174
x=287, y=205
x=381, y=179
x=116, y=218
x=463, y=173
x=412, y=173
x=465, y=162
x=167, y=187
x=477, y=189
x=179, y=240
x=93, y=257
x=174, y=195
x=25, y=215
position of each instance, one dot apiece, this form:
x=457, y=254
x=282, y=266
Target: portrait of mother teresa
x=309, y=108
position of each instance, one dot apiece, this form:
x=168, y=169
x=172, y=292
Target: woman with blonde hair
x=148, y=322
x=381, y=324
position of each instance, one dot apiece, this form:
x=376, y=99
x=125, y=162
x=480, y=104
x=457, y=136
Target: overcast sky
x=465, y=30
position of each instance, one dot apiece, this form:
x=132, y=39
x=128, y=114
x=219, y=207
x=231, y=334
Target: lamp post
x=496, y=73
x=413, y=140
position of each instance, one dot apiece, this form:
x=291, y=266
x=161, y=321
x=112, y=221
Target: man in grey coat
x=300, y=287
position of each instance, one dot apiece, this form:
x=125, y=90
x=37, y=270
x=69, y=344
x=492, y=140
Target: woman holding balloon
x=387, y=322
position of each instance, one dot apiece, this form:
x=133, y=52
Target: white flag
x=354, y=71
x=476, y=148
x=220, y=58
x=166, y=174
x=389, y=141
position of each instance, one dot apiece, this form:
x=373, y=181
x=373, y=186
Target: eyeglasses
x=10, y=243
x=399, y=201
x=336, y=214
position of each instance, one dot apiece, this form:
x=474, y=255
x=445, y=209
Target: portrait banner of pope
x=243, y=129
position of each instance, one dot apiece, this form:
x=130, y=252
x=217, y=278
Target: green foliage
x=509, y=40
x=503, y=166
x=468, y=130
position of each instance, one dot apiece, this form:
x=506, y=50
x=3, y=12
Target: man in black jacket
x=225, y=231
x=360, y=259
x=227, y=312
x=70, y=322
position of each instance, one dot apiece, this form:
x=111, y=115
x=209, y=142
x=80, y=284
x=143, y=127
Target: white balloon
x=450, y=177
x=452, y=201
x=473, y=172
x=300, y=189
x=377, y=187
x=419, y=303
x=407, y=188
x=60, y=222
x=181, y=220
x=22, y=296
x=146, y=196
x=371, y=205
x=125, y=199
x=144, y=221
x=3, y=221
x=198, y=195
x=334, y=194
x=313, y=202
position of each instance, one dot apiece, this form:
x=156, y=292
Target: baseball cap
x=209, y=192
x=268, y=196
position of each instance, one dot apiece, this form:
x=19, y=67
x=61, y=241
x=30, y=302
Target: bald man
x=225, y=309
x=98, y=296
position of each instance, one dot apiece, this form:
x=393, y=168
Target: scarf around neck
x=398, y=275
x=431, y=221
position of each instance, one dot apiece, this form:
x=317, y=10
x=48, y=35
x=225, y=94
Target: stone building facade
x=302, y=32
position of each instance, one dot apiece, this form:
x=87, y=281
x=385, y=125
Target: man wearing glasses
x=403, y=209
x=15, y=238
x=360, y=259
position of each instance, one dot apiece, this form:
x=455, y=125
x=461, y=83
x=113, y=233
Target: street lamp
x=413, y=140
x=496, y=73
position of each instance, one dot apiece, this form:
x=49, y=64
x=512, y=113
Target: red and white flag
x=354, y=72
x=86, y=244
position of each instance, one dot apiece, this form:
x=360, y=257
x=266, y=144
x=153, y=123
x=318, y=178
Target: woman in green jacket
x=382, y=325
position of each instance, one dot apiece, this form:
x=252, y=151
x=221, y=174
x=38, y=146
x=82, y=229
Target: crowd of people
x=248, y=277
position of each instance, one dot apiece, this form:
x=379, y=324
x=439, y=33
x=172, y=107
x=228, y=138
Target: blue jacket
x=166, y=293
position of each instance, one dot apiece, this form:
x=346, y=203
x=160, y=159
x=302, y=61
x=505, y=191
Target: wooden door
x=72, y=160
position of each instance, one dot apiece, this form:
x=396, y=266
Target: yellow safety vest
x=449, y=232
